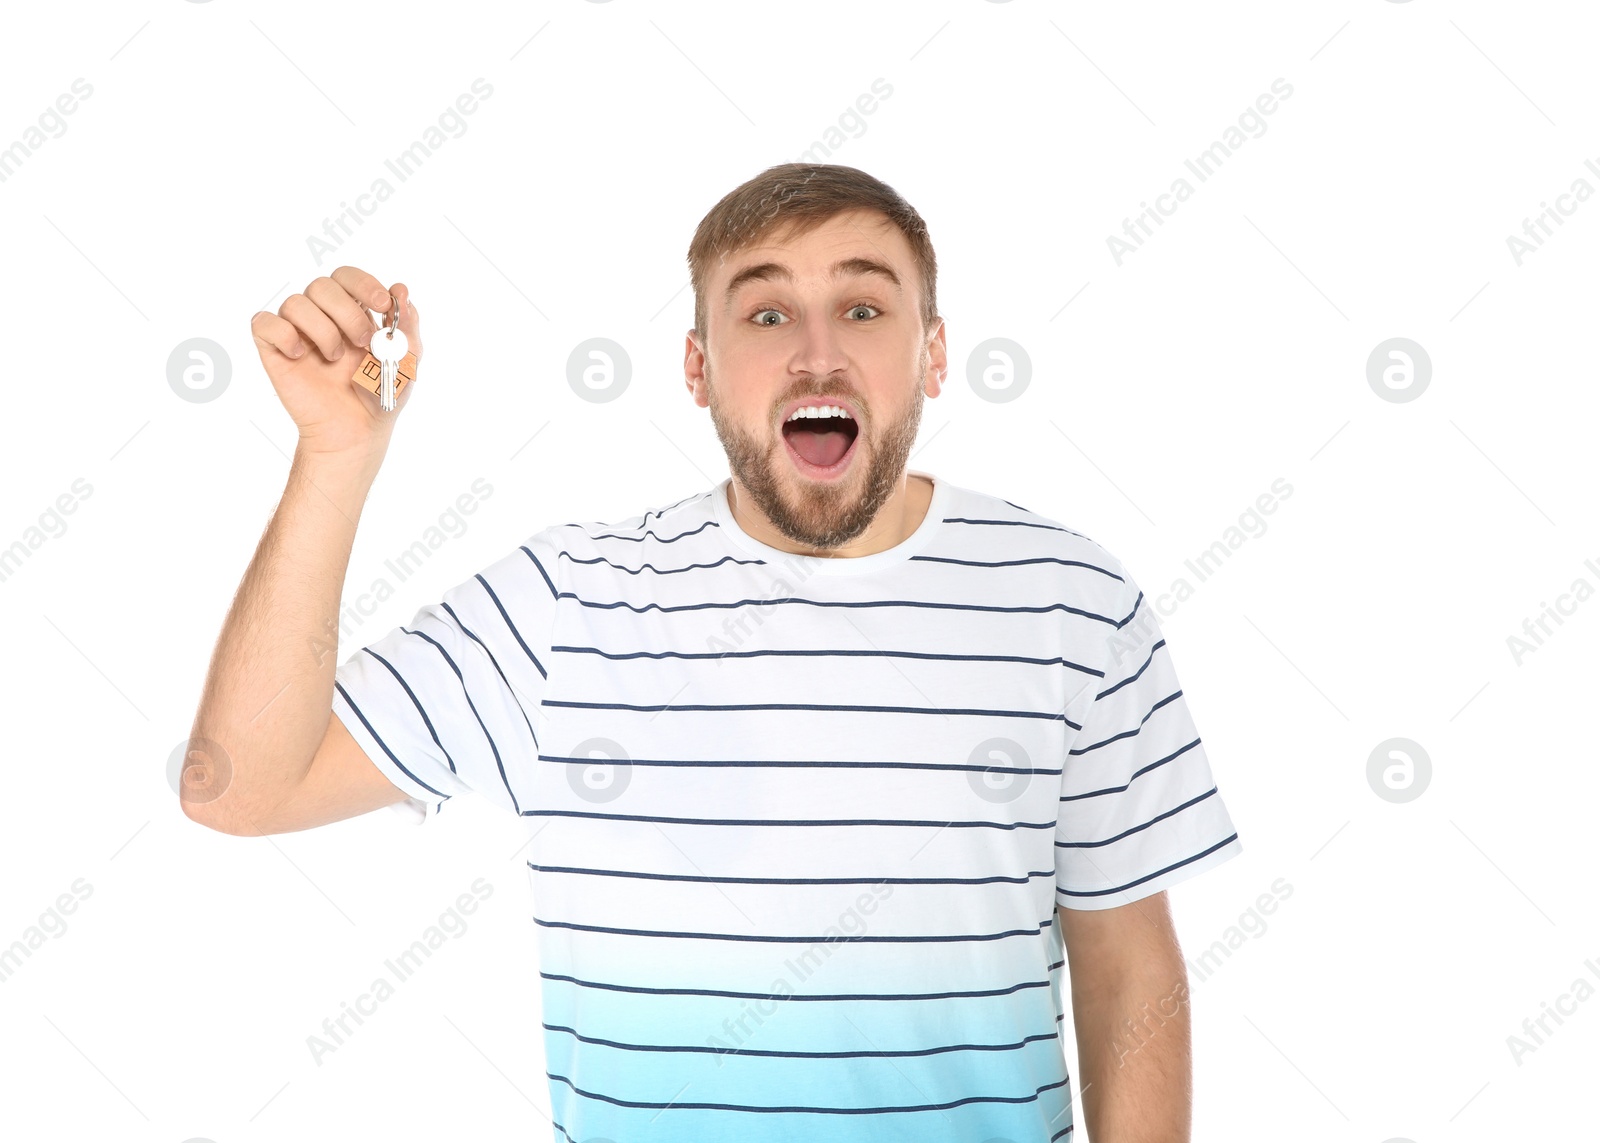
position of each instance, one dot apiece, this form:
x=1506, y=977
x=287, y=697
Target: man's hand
x=1130, y=1009
x=311, y=349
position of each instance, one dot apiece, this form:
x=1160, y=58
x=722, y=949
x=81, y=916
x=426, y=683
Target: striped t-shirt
x=800, y=825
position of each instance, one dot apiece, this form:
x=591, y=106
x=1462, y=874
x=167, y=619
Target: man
x=828, y=769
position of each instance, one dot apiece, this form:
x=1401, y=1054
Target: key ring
x=391, y=320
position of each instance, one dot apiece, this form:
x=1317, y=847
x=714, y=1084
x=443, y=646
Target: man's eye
x=757, y=315
x=864, y=306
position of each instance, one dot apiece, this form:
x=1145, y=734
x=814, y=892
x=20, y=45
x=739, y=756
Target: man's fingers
x=314, y=325
x=273, y=331
x=345, y=311
x=332, y=312
x=363, y=287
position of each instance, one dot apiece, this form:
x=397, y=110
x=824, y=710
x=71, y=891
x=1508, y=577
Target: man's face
x=778, y=337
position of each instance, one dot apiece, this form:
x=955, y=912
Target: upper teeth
x=820, y=411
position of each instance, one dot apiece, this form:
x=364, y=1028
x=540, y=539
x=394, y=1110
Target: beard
x=809, y=513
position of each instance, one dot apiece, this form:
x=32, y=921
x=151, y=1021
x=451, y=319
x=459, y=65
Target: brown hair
x=791, y=199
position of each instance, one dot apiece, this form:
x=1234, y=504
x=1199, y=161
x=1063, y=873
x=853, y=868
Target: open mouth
x=821, y=446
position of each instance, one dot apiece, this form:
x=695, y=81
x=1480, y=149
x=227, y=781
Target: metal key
x=388, y=345
x=388, y=366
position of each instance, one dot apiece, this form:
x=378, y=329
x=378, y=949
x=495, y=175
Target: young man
x=829, y=769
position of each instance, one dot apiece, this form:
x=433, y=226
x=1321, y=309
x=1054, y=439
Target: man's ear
x=938, y=362
x=694, y=369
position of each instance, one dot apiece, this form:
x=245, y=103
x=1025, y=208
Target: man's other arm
x=1130, y=1010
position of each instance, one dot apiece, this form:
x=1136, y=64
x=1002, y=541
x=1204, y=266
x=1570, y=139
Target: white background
x=1168, y=395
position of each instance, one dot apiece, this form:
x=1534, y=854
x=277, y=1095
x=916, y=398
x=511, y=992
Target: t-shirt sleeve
x=1139, y=810
x=448, y=703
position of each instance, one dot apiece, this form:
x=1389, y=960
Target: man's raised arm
x=266, y=754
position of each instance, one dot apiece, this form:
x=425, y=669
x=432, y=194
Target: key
x=388, y=365
x=370, y=374
x=389, y=346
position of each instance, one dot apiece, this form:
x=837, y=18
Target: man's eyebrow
x=776, y=271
